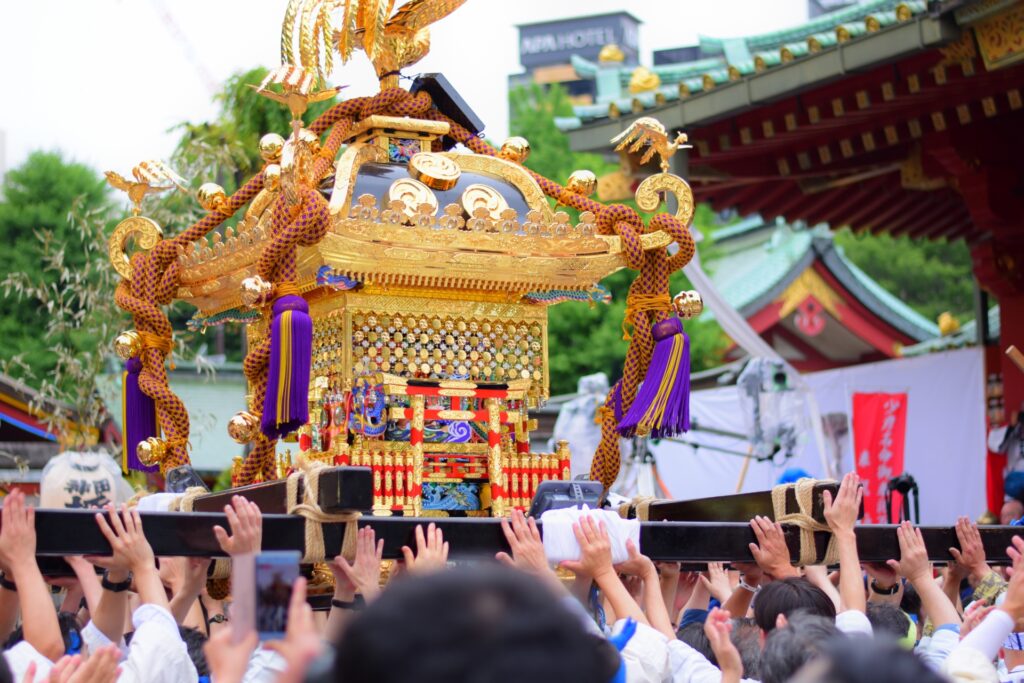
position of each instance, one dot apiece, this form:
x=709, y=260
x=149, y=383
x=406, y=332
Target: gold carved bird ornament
x=392, y=42
x=150, y=177
x=650, y=132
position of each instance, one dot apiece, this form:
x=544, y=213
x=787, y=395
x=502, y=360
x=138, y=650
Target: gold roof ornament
x=611, y=54
x=297, y=89
x=392, y=42
x=643, y=80
x=948, y=324
x=150, y=177
x=650, y=133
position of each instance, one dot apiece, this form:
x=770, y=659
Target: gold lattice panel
x=356, y=335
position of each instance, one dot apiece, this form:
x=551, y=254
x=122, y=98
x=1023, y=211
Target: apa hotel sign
x=554, y=42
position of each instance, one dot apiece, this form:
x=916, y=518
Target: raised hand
x=974, y=615
x=362, y=575
x=841, y=513
x=913, y=563
x=717, y=628
x=716, y=582
x=595, y=549
x=227, y=656
x=971, y=554
x=130, y=549
x=771, y=552
x=1014, y=602
x=637, y=565
x=246, y=528
x=527, y=547
x=18, y=533
x=431, y=551
x=100, y=667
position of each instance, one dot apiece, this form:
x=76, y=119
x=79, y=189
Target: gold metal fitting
x=515, y=149
x=128, y=345
x=243, y=427
x=255, y=290
x=271, y=146
x=272, y=177
x=151, y=452
x=582, y=182
x=688, y=304
x=211, y=196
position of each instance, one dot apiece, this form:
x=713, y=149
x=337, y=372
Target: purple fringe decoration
x=138, y=417
x=292, y=328
x=673, y=417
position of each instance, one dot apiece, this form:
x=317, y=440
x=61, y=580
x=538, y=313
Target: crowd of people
x=518, y=618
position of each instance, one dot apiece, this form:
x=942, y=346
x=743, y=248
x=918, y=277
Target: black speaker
x=554, y=495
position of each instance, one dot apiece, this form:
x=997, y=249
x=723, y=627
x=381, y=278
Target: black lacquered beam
x=741, y=507
x=341, y=488
x=74, y=532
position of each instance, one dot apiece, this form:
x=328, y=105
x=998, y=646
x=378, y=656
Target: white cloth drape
x=740, y=331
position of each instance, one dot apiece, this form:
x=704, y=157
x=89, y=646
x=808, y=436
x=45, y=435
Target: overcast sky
x=103, y=80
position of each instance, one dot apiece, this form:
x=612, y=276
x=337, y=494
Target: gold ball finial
x=515, y=149
x=243, y=427
x=271, y=146
x=948, y=324
x=128, y=345
x=272, y=177
x=151, y=452
x=310, y=138
x=611, y=53
x=643, y=80
x=688, y=304
x=211, y=196
x=255, y=290
x=582, y=182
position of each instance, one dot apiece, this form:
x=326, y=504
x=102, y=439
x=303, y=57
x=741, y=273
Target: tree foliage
x=584, y=339
x=930, y=276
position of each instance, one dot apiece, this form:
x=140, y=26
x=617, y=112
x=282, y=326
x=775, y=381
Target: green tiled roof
x=892, y=302
x=725, y=59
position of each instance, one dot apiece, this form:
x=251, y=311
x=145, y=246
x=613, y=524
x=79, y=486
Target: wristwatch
x=891, y=590
x=747, y=587
x=357, y=603
x=8, y=584
x=119, y=587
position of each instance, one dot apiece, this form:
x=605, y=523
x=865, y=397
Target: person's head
x=787, y=649
x=787, y=596
x=746, y=636
x=454, y=625
x=194, y=641
x=693, y=635
x=70, y=631
x=888, y=621
x=863, y=660
x=1012, y=509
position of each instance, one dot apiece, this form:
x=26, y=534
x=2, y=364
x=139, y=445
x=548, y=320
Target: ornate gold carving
x=510, y=173
x=478, y=196
x=809, y=283
x=649, y=132
x=1001, y=38
x=436, y=171
x=346, y=170
x=413, y=194
x=648, y=195
x=146, y=233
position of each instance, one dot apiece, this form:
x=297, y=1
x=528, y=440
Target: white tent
x=945, y=435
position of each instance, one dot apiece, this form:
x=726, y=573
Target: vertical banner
x=879, y=428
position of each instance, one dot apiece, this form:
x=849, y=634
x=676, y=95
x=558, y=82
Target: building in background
x=546, y=50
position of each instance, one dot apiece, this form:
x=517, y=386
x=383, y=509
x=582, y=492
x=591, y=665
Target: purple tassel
x=286, y=406
x=662, y=406
x=138, y=416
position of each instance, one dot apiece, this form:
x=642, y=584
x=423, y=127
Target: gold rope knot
x=286, y=289
x=638, y=303
x=309, y=472
x=804, y=491
x=156, y=341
